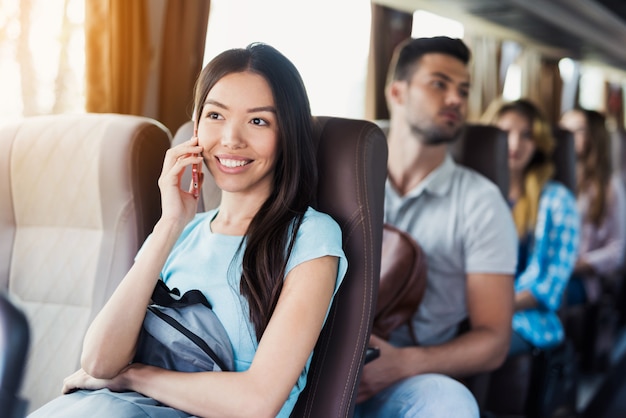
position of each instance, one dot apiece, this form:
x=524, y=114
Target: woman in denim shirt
x=547, y=223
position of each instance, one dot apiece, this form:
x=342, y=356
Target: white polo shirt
x=463, y=224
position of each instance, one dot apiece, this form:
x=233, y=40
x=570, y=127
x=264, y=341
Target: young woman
x=601, y=203
x=267, y=262
x=547, y=225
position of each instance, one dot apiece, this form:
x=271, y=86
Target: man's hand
x=381, y=372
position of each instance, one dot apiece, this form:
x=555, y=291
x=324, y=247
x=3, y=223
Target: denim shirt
x=550, y=256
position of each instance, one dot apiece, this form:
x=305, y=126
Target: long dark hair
x=271, y=233
x=595, y=164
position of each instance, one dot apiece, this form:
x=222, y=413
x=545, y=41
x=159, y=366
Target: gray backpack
x=183, y=333
x=179, y=333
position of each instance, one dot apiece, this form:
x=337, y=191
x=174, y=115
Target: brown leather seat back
x=352, y=162
x=564, y=158
x=485, y=149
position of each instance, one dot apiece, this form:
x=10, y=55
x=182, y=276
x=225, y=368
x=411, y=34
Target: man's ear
x=394, y=93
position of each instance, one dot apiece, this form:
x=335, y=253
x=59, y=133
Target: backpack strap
x=163, y=296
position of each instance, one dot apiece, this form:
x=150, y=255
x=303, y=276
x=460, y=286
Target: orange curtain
x=181, y=59
x=551, y=90
x=615, y=104
x=389, y=28
x=122, y=57
x=117, y=55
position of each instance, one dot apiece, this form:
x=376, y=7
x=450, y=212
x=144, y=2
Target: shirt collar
x=436, y=183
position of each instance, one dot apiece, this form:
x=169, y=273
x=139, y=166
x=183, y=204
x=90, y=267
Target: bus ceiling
x=586, y=30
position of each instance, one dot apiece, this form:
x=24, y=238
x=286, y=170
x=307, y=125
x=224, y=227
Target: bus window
x=41, y=57
x=328, y=41
x=592, y=88
x=513, y=83
x=570, y=74
x=426, y=24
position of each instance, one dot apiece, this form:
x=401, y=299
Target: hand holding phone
x=195, y=179
x=195, y=173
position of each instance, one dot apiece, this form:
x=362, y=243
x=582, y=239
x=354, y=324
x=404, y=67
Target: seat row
x=78, y=195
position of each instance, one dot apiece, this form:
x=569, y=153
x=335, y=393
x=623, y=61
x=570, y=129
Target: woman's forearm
x=205, y=394
x=110, y=340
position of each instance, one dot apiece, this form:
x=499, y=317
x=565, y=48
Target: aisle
x=609, y=400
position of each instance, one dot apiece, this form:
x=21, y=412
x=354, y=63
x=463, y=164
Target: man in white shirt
x=465, y=228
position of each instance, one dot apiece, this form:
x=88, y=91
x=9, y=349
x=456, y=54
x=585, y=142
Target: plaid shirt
x=551, y=257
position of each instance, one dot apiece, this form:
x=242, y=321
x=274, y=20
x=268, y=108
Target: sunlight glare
x=329, y=56
x=426, y=24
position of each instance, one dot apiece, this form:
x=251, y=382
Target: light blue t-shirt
x=210, y=262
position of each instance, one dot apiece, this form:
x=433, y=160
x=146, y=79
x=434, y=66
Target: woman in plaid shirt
x=547, y=222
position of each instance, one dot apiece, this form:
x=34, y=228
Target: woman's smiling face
x=238, y=130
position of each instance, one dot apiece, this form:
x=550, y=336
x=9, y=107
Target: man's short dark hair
x=409, y=52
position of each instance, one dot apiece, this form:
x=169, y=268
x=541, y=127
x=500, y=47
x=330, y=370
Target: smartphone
x=371, y=353
x=195, y=173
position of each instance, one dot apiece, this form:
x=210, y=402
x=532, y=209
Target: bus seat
x=564, y=159
x=78, y=196
x=14, y=341
x=352, y=165
x=485, y=149
x=534, y=385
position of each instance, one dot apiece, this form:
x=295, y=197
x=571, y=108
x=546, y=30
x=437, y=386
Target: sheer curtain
x=135, y=57
x=530, y=64
x=485, y=75
x=550, y=89
x=41, y=57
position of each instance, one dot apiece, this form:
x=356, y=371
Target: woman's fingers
x=187, y=148
x=178, y=158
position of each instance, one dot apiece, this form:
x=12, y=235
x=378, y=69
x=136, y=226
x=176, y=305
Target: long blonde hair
x=540, y=168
